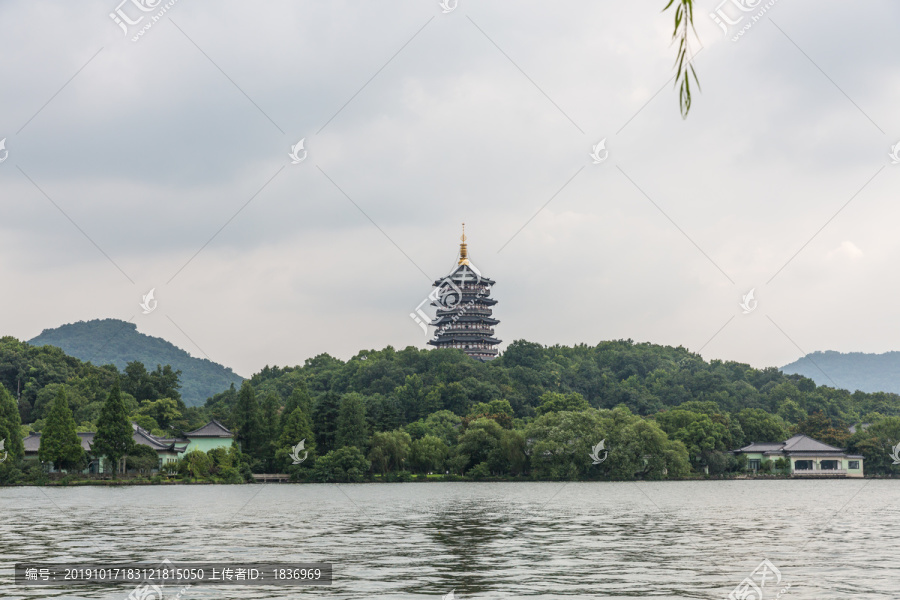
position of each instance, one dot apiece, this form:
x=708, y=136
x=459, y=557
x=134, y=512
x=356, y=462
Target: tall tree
x=325, y=418
x=269, y=430
x=352, y=429
x=299, y=398
x=115, y=435
x=245, y=418
x=136, y=381
x=165, y=382
x=60, y=444
x=10, y=427
x=297, y=428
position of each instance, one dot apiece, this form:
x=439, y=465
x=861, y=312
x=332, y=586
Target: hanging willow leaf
x=684, y=24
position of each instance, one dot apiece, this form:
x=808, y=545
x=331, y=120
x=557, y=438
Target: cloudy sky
x=164, y=163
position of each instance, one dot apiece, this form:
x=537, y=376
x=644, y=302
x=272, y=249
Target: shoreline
x=120, y=483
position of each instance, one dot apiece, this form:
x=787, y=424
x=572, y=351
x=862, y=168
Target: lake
x=826, y=538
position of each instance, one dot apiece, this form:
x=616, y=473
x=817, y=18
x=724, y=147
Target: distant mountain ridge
x=852, y=371
x=117, y=342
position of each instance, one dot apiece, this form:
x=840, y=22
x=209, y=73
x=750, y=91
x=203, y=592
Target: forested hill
x=116, y=342
x=852, y=371
x=532, y=411
x=401, y=386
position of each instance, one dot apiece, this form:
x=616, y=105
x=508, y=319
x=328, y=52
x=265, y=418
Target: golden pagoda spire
x=463, y=252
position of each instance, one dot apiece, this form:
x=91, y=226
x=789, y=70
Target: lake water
x=828, y=539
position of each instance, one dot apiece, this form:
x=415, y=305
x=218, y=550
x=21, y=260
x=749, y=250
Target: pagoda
x=464, y=309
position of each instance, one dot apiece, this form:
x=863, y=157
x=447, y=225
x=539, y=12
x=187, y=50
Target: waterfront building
x=169, y=450
x=807, y=457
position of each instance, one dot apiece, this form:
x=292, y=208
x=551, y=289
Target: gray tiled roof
x=33, y=442
x=211, y=429
x=804, y=443
x=799, y=443
x=145, y=438
x=763, y=447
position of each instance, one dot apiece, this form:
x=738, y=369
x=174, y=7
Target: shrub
x=347, y=464
x=479, y=471
x=194, y=464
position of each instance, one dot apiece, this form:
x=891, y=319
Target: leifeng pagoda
x=463, y=303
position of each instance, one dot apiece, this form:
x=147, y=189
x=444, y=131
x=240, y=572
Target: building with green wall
x=806, y=458
x=210, y=436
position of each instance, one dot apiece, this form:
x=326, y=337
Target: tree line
x=534, y=412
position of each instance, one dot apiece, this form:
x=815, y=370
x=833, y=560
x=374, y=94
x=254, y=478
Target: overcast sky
x=164, y=163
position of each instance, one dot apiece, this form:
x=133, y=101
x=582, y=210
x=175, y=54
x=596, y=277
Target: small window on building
x=853, y=464
x=753, y=464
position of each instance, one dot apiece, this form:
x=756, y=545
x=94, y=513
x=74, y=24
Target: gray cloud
x=482, y=117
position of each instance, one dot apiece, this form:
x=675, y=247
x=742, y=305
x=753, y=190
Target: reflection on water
x=829, y=539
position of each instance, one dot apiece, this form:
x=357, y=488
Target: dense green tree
x=269, y=431
x=560, y=443
x=760, y=426
x=411, y=396
x=345, y=465
x=426, y=454
x=702, y=437
x=455, y=399
x=10, y=428
x=246, y=419
x=142, y=459
x=445, y=425
x=195, y=464
x=115, y=436
x=164, y=411
x=826, y=429
x=352, y=429
x=325, y=418
x=60, y=444
x=297, y=428
x=136, y=381
x=791, y=412
x=877, y=443
x=390, y=450
x=299, y=398
x=166, y=383
x=555, y=402
x=480, y=443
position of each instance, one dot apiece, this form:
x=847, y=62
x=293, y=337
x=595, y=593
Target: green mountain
x=112, y=341
x=851, y=371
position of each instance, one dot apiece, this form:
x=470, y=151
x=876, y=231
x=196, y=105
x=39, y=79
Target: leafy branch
x=684, y=23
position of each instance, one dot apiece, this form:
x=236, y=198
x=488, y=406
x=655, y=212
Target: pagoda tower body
x=464, y=310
